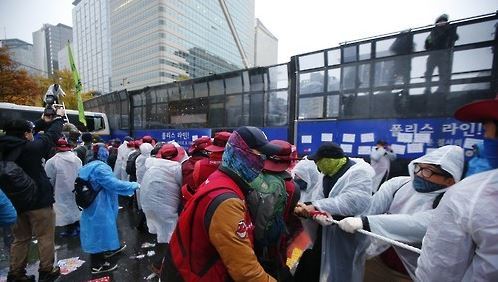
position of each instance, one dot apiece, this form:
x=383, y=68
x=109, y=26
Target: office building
x=92, y=44
x=47, y=42
x=265, y=46
x=159, y=41
x=21, y=53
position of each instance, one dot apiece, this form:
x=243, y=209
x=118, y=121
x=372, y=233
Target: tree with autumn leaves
x=18, y=87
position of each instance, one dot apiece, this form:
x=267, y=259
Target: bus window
x=311, y=107
x=478, y=32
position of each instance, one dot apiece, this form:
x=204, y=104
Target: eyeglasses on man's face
x=426, y=171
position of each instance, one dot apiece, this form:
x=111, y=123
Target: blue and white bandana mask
x=239, y=159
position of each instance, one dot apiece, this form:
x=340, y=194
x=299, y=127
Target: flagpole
x=78, y=86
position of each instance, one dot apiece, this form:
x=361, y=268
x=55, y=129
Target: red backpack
x=191, y=234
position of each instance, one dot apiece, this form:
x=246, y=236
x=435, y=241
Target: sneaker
x=115, y=252
x=22, y=278
x=50, y=275
x=105, y=267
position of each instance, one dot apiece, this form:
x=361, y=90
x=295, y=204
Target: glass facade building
x=159, y=41
x=92, y=44
x=47, y=42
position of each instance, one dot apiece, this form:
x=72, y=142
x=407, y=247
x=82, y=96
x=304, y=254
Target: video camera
x=51, y=99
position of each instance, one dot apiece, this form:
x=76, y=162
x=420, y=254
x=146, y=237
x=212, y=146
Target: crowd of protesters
x=229, y=207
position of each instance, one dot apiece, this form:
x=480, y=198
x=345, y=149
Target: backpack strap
x=394, y=194
x=437, y=200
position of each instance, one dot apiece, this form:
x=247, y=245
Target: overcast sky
x=301, y=26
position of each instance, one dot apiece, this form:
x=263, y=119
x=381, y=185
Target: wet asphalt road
x=130, y=269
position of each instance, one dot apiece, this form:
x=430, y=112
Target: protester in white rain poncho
x=347, y=184
x=120, y=165
x=309, y=179
x=403, y=206
x=62, y=169
x=145, y=150
x=160, y=191
x=461, y=241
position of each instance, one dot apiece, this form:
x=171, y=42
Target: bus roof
x=38, y=109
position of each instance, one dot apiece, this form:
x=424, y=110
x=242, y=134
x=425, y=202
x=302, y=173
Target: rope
x=385, y=239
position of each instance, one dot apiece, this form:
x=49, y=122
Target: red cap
x=219, y=142
x=199, y=144
x=479, y=111
x=171, y=152
x=280, y=161
x=62, y=145
x=148, y=139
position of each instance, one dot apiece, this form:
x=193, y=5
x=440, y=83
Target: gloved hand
x=351, y=224
x=322, y=219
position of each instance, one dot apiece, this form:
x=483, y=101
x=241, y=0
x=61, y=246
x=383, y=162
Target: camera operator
x=36, y=217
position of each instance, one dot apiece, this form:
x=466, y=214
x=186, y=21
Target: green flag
x=77, y=82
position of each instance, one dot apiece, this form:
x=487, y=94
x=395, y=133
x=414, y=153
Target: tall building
x=265, y=46
x=63, y=58
x=47, y=42
x=159, y=41
x=92, y=44
x=21, y=53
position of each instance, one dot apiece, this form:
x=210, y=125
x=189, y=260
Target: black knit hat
x=327, y=150
x=18, y=127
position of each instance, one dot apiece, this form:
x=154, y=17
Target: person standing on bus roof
x=380, y=159
x=439, y=43
x=347, y=184
x=38, y=219
x=485, y=112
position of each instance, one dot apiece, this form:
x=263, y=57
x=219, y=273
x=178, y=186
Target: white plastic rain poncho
x=350, y=196
x=380, y=159
x=160, y=196
x=99, y=231
x=62, y=169
x=403, y=214
x=307, y=171
x=145, y=150
x=120, y=165
x=461, y=241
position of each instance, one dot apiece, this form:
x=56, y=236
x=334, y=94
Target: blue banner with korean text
x=408, y=138
x=184, y=137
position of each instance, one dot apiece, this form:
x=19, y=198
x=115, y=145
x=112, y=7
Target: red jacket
x=215, y=227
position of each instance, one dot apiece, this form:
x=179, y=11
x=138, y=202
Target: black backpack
x=84, y=193
x=131, y=168
x=19, y=187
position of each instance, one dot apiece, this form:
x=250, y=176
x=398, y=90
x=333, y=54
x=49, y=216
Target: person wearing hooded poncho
x=99, y=232
x=460, y=244
x=62, y=169
x=404, y=206
x=347, y=186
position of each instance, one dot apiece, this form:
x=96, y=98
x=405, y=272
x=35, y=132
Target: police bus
x=391, y=87
x=96, y=123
